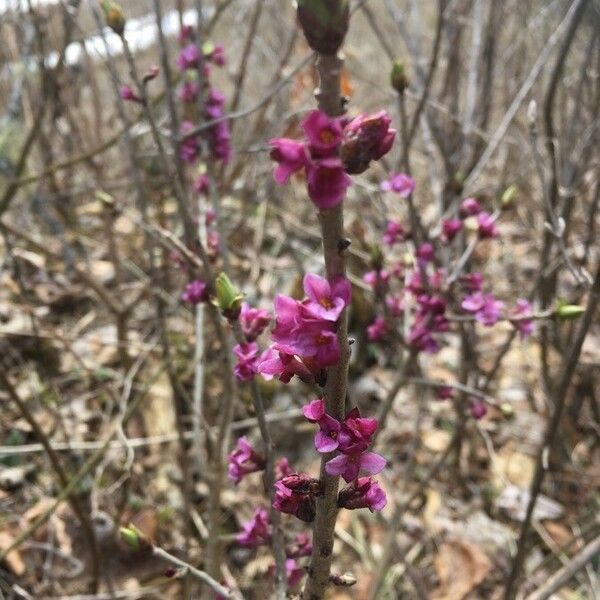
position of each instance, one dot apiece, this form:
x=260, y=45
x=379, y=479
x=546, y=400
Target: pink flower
x=257, y=531
x=357, y=429
x=377, y=329
x=395, y=305
x=478, y=409
x=327, y=182
x=294, y=572
x=202, y=185
x=195, y=292
x=247, y=355
x=126, y=92
x=326, y=439
x=450, y=227
x=282, y=468
x=244, y=460
x=376, y=278
x=314, y=411
x=484, y=306
x=400, y=183
x=362, y=493
x=326, y=301
x=188, y=57
x=301, y=546
x=217, y=55
x=324, y=133
x=283, y=366
x=189, y=149
x=290, y=156
x=524, y=326
x=470, y=207
x=366, y=138
x=487, y=226
x=188, y=92
x=185, y=33
x=394, y=232
x=253, y=321
x=472, y=282
x=349, y=464
x=295, y=495
x=444, y=392
x=426, y=252
x=219, y=133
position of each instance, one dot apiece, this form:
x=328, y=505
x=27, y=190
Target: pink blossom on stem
x=324, y=134
x=253, y=321
x=326, y=301
x=188, y=92
x=487, y=226
x=295, y=495
x=273, y=363
x=189, y=149
x=426, y=252
x=257, y=531
x=202, y=185
x=366, y=138
x=300, y=547
x=472, y=282
x=485, y=307
x=243, y=460
x=327, y=182
x=375, y=278
x=294, y=573
x=217, y=55
x=314, y=411
x=450, y=228
x=377, y=329
x=326, y=439
x=444, y=392
x=395, y=305
x=394, y=233
x=400, y=183
x=247, y=355
x=126, y=92
x=188, y=58
x=290, y=156
x=478, y=409
x=363, y=492
x=470, y=207
x=196, y=291
x=525, y=327
x=350, y=463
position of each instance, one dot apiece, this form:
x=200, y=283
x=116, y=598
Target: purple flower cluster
x=351, y=438
x=196, y=291
x=244, y=460
x=332, y=149
x=219, y=135
x=304, y=336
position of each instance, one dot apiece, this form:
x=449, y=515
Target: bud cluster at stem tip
x=324, y=24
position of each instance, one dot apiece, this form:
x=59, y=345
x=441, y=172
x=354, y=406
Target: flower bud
x=229, y=298
x=113, y=15
x=510, y=194
x=345, y=580
x=133, y=537
x=569, y=311
x=151, y=74
x=324, y=23
x=398, y=77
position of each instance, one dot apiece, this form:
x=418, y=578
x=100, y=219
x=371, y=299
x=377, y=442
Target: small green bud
x=511, y=193
x=507, y=410
x=569, y=311
x=398, y=77
x=229, y=298
x=113, y=15
x=376, y=257
x=133, y=537
x=324, y=23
